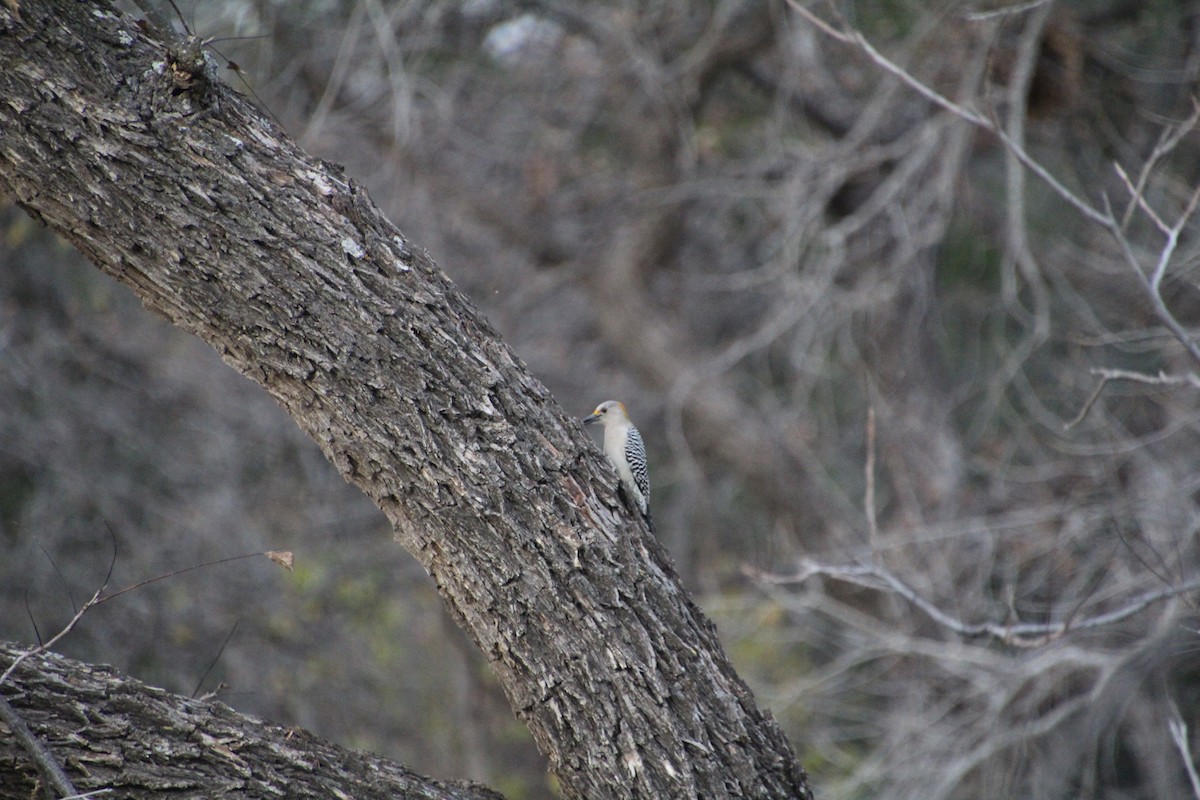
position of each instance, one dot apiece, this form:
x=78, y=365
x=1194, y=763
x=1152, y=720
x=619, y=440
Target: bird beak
x=589, y=419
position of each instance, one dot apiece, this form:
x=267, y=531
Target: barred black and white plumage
x=625, y=449
x=635, y=454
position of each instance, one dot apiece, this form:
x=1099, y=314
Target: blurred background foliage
x=754, y=237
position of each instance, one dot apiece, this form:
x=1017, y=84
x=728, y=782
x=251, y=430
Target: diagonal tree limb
x=181, y=190
x=120, y=737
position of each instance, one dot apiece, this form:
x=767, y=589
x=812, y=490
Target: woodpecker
x=624, y=447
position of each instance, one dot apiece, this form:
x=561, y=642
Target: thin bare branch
x=1168, y=140
x=869, y=491
x=1018, y=634
x=1161, y=379
x=212, y=664
x=93, y=600
x=1138, y=199
x=1106, y=375
x=1151, y=284
x=1165, y=255
x=1178, y=729
x=269, y=554
x=1007, y=11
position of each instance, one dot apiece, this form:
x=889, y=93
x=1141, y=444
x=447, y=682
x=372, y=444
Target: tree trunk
x=132, y=149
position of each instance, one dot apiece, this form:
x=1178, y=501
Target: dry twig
x=1178, y=729
x=1017, y=634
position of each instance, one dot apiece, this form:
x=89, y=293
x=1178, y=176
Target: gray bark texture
x=125, y=142
x=112, y=732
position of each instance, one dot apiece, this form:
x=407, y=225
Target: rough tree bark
x=131, y=148
x=143, y=742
